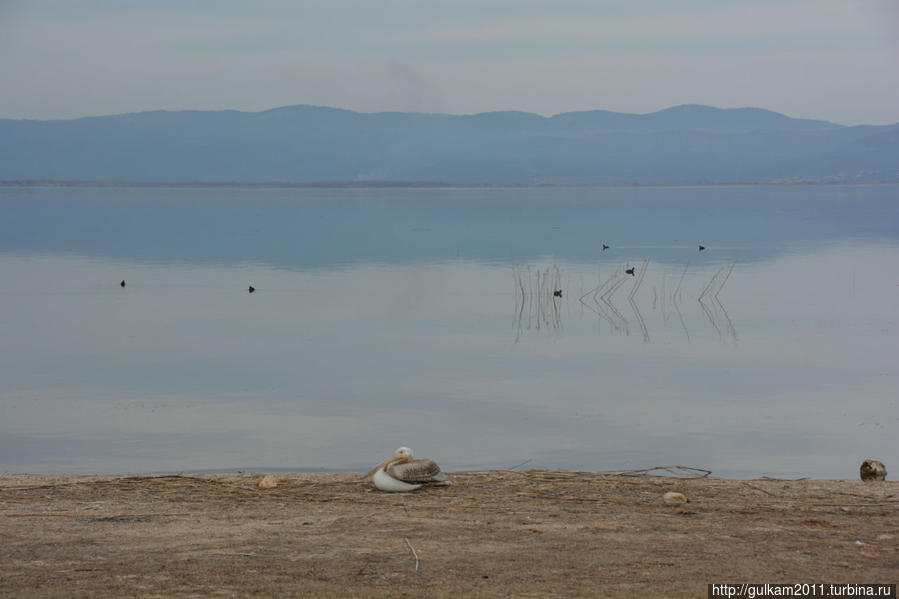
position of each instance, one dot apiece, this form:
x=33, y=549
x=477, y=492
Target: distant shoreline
x=410, y=184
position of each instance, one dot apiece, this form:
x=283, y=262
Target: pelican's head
x=403, y=452
x=400, y=455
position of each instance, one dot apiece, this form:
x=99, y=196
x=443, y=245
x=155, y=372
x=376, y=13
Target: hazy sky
x=829, y=59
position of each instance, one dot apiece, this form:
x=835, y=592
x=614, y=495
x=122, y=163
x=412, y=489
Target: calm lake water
x=427, y=318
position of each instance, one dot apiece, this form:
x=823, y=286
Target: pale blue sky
x=828, y=59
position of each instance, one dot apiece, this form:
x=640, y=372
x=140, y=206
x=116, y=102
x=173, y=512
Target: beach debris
x=674, y=471
x=674, y=498
x=269, y=481
x=414, y=553
x=872, y=470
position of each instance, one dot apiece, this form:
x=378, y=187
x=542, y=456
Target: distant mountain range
x=687, y=144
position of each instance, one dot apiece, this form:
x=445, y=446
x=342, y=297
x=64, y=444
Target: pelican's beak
x=384, y=465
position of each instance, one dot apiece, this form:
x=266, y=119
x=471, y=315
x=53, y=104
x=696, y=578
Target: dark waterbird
x=702, y=247
x=630, y=271
x=122, y=283
x=604, y=247
x=557, y=293
x=252, y=289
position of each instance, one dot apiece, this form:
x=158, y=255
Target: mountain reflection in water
x=381, y=318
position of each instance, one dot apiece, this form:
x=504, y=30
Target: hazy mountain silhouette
x=680, y=145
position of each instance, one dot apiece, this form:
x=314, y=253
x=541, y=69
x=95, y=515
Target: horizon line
x=404, y=184
x=451, y=114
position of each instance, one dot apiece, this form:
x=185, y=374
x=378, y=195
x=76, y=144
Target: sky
x=836, y=60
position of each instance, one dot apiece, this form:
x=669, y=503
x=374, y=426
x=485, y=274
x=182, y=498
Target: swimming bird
x=630, y=271
x=557, y=293
x=702, y=247
x=604, y=247
x=252, y=289
x=122, y=283
x=401, y=473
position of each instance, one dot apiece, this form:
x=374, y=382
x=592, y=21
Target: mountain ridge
x=686, y=144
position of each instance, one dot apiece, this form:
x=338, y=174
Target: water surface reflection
x=779, y=364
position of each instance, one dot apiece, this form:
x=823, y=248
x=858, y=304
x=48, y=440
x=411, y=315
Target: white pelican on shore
x=401, y=473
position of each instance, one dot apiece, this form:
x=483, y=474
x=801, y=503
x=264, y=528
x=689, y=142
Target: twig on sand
x=675, y=470
x=413, y=552
x=519, y=465
x=567, y=498
x=758, y=489
x=872, y=504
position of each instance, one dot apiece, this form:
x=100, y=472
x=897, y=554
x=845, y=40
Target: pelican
x=873, y=470
x=401, y=473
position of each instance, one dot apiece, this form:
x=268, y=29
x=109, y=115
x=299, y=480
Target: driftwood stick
x=413, y=553
x=671, y=469
x=872, y=504
x=751, y=486
x=519, y=465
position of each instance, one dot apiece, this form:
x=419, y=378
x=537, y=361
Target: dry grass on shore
x=502, y=533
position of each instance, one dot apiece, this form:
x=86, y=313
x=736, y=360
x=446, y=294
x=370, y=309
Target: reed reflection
x=540, y=300
x=539, y=295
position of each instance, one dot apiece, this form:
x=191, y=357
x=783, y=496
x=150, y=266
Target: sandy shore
x=503, y=533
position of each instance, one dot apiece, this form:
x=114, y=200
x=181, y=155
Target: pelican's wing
x=416, y=471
